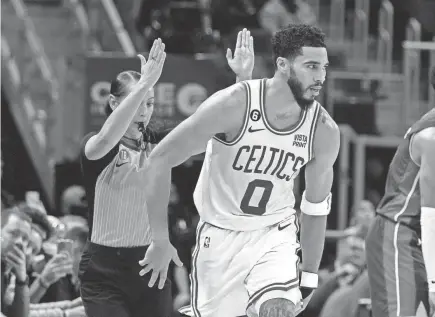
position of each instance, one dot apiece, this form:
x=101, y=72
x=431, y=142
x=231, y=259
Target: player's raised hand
x=242, y=63
x=157, y=259
x=151, y=70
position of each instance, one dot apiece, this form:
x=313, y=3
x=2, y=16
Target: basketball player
x=400, y=243
x=257, y=134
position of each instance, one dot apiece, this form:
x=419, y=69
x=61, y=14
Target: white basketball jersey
x=247, y=184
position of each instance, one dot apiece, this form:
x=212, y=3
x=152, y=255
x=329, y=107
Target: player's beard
x=298, y=90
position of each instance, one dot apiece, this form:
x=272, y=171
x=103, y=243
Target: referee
x=111, y=162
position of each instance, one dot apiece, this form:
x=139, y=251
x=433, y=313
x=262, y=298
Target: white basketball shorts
x=234, y=272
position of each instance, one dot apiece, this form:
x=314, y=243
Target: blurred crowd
x=40, y=253
x=199, y=26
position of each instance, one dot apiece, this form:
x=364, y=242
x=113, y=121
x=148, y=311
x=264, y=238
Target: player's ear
x=282, y=64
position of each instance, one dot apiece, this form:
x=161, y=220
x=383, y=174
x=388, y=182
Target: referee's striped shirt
x=115, y=192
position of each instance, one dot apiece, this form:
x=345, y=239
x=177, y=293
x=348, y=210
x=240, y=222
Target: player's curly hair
x=288, y=42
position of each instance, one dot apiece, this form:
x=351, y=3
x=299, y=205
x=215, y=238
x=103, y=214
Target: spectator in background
x=344, y=301
x=149, y=19
x=304, y=12
x=66, y=287
x=182, y=235
x=274, y=15
x=45, y=270
x=6, y=198
x=73, y=201
x=361, y=217
x=41, y=229
x=15, y=233
x=229, y=15
x=277, y=14
x=375, y=180
x=71, y=221
x=178, y=23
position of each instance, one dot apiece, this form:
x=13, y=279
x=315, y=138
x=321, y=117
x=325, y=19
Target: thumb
x=144, y=261
x=142, y=59
x=176, y=259
x=229, y=54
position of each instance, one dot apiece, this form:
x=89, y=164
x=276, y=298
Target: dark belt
x=125, y=252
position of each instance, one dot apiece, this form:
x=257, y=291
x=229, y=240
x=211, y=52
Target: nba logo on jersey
x=123, y=155
x=207, y=242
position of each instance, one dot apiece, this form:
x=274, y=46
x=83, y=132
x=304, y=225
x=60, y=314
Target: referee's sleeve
x=93, y=168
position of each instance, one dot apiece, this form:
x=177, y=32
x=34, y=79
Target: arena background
x=59, y=56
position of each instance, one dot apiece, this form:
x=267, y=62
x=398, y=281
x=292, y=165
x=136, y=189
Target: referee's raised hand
x=152, y=69
x=157, y=259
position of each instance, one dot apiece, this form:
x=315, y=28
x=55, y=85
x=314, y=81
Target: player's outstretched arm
x=316, y=200
x=423, y=149
x=221, y=113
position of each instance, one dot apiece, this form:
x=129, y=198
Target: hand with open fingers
x=242, y=63
x=59, y=266
x=16, y=259
x=157, y=259
x=151, y=69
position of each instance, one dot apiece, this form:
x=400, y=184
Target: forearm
x=157, y=202
x=117, y=123
x=181, y=279
x=21, y=303
x=174, y=149
x=312, y=239
x=63, y=305
x=37, y=291
x=52, y=312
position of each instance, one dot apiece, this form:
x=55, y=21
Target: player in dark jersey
x=400, y=243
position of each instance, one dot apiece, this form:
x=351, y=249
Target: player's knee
x=277, y=307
